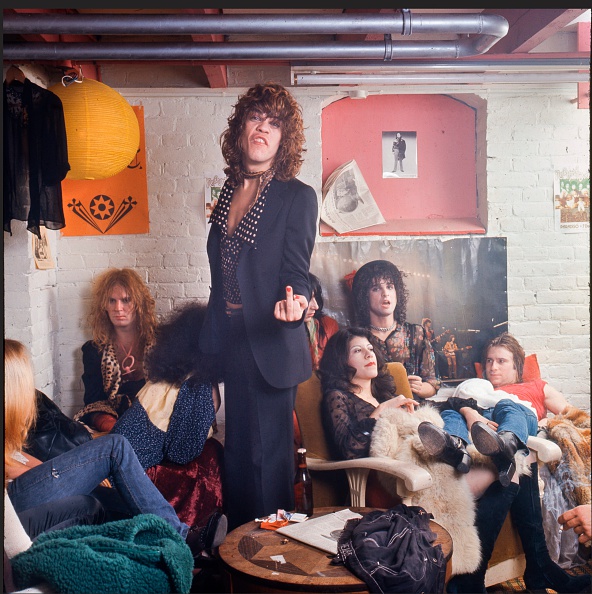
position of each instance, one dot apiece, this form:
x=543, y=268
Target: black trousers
x=259, y=435
x=492, y=509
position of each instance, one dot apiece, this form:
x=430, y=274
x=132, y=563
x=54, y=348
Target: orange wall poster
x=115, y=205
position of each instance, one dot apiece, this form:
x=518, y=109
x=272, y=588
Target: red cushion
x=531, y=369
x=193, y=489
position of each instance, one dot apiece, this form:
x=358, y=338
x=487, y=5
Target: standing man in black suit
x=260, y=242
x=399, y=148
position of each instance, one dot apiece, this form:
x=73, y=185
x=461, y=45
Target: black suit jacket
x=280, y=257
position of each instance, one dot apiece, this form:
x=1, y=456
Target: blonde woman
x=123, y=323
x=31, y=483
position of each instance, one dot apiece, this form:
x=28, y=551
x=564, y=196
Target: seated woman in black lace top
x=357, y=388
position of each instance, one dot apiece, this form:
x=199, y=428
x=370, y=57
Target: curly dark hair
x=366, y=277
x=335, y=373
x=509, y=342
x=176, y=356
x=275, y=101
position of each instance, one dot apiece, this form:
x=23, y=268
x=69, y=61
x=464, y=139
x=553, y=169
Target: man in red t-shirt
x=503, y=365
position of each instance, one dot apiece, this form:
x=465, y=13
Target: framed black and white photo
x=42, y=251
x=399, y=154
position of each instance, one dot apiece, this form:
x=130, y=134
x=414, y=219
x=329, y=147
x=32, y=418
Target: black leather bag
x=53, y=433
x=393, y=551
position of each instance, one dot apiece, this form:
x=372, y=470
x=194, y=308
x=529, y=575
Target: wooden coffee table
x=248, y=551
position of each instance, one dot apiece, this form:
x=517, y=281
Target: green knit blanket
x=142, y=554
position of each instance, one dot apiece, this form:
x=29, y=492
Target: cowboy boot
x=502, y=448
x=541, y=571
x=204, y=539
x=446, y=448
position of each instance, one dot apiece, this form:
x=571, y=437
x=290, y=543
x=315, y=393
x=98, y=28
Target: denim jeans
x=77, y=510
x=509, y=415
x=80, y=470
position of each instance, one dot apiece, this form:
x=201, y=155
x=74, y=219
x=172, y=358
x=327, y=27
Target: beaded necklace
x=387, y=329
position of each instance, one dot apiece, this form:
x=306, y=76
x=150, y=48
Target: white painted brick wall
x=549, y=312
x=527, y=138
x=31, y=305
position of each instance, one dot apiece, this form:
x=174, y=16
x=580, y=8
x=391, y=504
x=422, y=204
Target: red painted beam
x=216, y=74
x=584, y=45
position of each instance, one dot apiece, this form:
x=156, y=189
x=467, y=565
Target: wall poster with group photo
x=457, y=287
x=213, y=184
x=572, y=201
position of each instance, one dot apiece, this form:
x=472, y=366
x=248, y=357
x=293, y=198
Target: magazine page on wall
x=572, y=201
x=348, y=204
x=458, y=286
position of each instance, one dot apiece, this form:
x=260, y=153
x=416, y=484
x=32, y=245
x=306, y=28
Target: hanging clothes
x=35, y=156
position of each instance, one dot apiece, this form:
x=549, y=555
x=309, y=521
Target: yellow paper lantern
x=101, y=127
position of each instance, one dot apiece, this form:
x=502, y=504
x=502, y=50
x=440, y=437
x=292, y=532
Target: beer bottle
x=303, y=485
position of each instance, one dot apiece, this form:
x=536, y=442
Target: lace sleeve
x=348, y=424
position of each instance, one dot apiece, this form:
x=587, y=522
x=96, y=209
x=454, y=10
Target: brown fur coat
x=571, y=432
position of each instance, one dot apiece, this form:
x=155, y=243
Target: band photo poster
x=457, y=291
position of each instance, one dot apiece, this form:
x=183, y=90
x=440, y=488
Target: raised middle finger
x=289, y=302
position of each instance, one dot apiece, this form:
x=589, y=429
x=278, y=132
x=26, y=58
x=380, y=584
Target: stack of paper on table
x=322, y=532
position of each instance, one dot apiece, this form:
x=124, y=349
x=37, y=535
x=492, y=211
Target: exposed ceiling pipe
x=369, y=50
x=404, y=23
x=478, y=34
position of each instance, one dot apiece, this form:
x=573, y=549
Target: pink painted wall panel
x=445, y=186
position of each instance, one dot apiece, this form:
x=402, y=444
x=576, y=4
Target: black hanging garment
x=35, y=156
x=392, y=551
